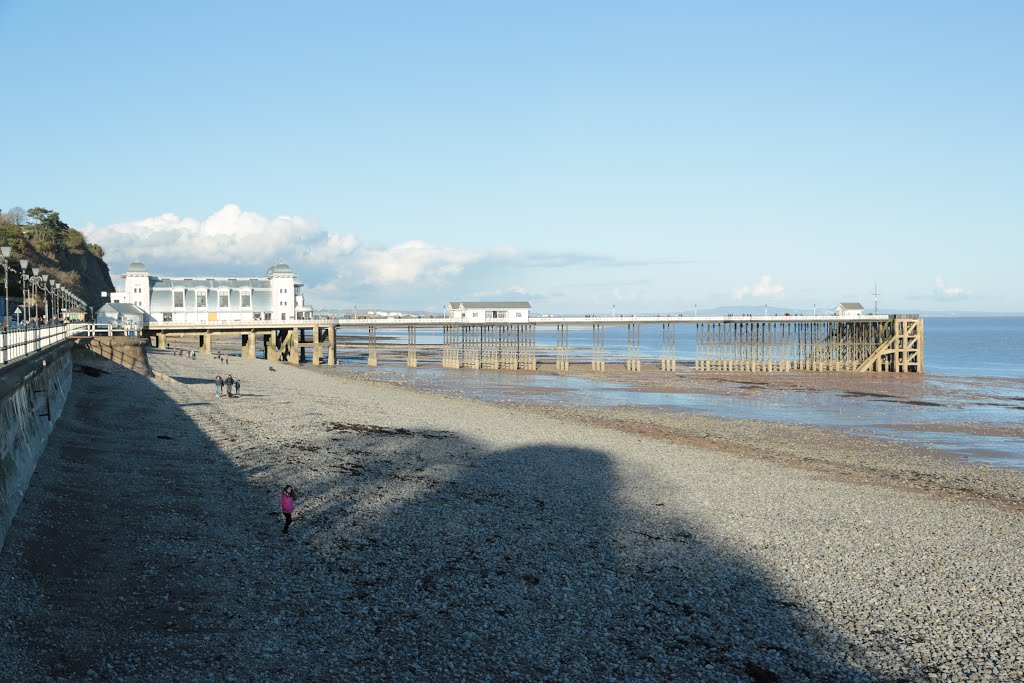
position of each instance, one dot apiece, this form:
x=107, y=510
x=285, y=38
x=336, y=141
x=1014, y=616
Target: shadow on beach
x=416, y=555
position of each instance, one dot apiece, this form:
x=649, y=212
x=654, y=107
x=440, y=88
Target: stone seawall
x=32, y=397
x=128, y=352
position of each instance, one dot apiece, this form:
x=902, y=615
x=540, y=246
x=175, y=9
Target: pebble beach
x=444, y=538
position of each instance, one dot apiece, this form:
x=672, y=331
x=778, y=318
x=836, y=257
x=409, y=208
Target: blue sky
x=651, y=156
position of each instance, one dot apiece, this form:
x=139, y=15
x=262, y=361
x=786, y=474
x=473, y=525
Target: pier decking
x=828, y=343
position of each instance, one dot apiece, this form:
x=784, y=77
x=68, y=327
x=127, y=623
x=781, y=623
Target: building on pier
x=850, y=310
x=277, y=296
x=488, y=311
x=121, y=314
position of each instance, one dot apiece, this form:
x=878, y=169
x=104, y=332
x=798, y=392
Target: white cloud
x=412, y=262
x=229, y=236
x=944, y=291
x=336, y=269
x=764, y=287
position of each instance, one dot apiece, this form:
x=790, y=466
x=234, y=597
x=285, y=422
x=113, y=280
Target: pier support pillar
x=531, y=347
x=371, y=339
x=411, y=337
x=471, y=343
x=249, y=345
x=294, y=349
x=205, y=343
x=271, y=347
x=448, y=355
x=597, y=348
x=668, y=347
x=562, y=348
x=318, y=346
x=332, y=345
x=633, y=347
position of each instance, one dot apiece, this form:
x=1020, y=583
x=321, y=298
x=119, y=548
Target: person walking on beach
x=287, y=506
x=219, y=381
x=238, y=386
x=229, y=384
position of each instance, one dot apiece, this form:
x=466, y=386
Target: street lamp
x=24, y=287
x=35, y=306
x=44, y=286
x=5, y=254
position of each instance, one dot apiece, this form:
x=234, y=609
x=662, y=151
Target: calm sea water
x=973, y=382
x=974, y=347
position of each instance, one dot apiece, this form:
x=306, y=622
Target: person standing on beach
x=229, y=384
x=219, y=381
x=287, y=506
x=238, y=387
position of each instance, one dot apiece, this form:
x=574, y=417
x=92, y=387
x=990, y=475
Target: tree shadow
x=525, y=563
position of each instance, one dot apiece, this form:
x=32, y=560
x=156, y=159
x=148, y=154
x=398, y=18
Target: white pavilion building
x=275, y=297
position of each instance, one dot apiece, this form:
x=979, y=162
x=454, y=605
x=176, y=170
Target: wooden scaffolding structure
x=490, y=347
x=894, y=345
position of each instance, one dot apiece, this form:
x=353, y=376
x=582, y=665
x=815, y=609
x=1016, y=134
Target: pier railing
x=24, y=341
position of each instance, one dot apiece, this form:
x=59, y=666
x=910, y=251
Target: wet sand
x=973, y=419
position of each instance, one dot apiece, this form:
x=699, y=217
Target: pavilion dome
x=280, y=268
x=137, y=267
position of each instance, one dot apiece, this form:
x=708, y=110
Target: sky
x=584, y=156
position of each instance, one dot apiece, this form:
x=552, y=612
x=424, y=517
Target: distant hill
x=56, y=249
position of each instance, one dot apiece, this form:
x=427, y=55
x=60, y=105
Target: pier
x=827, y=343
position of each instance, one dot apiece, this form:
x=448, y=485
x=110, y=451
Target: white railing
x=109, y=330
x=25, y=341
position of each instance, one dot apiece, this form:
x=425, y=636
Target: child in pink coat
x=287, y=506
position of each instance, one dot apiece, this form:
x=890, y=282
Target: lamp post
x=44, y=286
x=55, y=295
x=24, y=288
x=35, y=305
x=5, y=254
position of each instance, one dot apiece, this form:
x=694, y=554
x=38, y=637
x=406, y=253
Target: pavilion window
x=246, y=300
x=179, y=299
x=200, y=299
x=223, y=301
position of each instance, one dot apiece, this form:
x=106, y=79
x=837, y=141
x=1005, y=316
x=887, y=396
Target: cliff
x=74, y=263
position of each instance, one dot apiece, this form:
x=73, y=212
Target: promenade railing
x=25, y=341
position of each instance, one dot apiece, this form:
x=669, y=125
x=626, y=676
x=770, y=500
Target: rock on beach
x=441, y=538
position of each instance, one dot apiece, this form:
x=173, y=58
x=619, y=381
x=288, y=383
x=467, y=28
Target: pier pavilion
x=826, y=343
x=277, y=296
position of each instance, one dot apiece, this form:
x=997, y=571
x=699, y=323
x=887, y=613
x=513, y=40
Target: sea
x=968, y=404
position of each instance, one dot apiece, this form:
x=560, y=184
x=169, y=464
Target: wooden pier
x=868, y=343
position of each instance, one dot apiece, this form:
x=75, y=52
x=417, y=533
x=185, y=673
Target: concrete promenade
x=446, y=539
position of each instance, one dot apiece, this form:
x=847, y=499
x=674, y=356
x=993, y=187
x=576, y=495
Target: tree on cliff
x=13, y=216
x=42, y=238
x=53, y=232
